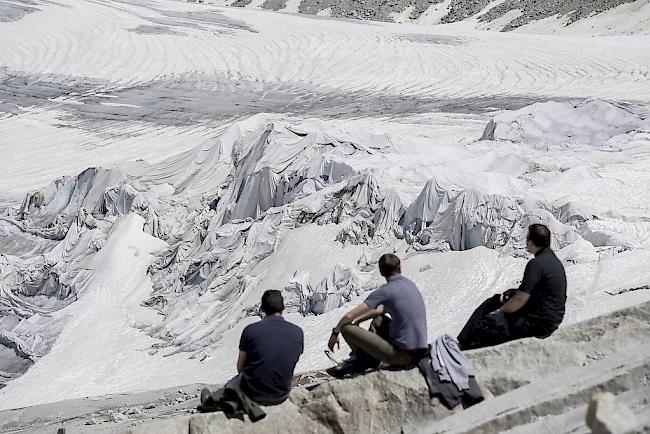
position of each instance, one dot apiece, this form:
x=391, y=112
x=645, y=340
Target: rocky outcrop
x=531, y=386
x=523, y=380
x=379, y=402
x=556, y=395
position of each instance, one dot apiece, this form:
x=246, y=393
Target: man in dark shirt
x=536, y=308
x=396, y=340
x=268, y=353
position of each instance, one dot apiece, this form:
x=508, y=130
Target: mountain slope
x=574, y=16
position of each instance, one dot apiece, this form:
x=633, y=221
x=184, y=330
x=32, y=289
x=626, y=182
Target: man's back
x=403, y=301
x=545, y=281
x=273, y=347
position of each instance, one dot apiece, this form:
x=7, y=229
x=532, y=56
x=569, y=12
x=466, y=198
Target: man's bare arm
x=515, y=303
x=352, y=315
x=373, y=313
x=358, y=312
x=241, y=360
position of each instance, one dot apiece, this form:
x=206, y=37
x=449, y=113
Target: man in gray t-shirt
x=396, y=340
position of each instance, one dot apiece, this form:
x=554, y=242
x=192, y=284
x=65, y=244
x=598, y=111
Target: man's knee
x=352, y=335
x=350, y=332
x=348, y=329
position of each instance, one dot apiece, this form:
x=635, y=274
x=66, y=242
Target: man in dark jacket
x=397, y=340
x=268, y=353
x=536, y=308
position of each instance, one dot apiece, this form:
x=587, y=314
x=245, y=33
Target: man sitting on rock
x=268, y=353
x=535, y=309
x=397, y=340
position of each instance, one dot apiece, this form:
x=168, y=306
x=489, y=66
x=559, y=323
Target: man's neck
x=392, y=276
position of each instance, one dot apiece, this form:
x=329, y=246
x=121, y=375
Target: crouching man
x=398, y=340
x=535, y=309
x=268, y=353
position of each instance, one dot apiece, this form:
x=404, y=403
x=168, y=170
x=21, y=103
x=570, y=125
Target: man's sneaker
x=352, y=366
x=207, y=404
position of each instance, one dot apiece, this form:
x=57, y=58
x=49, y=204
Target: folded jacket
x=450, y=363
x=446, y=391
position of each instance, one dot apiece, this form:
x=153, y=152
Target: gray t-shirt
x=403, y=301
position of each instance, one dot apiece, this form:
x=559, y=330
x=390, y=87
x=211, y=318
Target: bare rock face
x=523, y=381
x=380, y=402
x=455, y=10
x=530, y=386
x=606, y=415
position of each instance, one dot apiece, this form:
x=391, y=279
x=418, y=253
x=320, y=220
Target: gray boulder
x=606, y=415
x=380, y=402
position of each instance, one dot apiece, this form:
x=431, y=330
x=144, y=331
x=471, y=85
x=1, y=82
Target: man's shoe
x=206, y=399
x=350, y=367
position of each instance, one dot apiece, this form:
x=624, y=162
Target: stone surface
x=530, y=385
x=533, y=378
x=573, y=420
x=606, y=415
x=555, y=395
x=179, y=425
x=380, y=402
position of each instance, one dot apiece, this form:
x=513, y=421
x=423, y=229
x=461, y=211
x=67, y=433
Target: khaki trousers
x=373, y=345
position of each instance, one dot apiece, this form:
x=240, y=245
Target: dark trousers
x=234, y=402
x=485, y=330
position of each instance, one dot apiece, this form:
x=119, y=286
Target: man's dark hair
x=388, y=264
x=272, y=302
x=539, y=235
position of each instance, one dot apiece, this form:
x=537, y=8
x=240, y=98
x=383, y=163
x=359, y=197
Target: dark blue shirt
x=403, y=301
x=273, y=347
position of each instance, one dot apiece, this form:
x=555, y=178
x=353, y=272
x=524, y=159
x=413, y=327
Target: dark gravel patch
x=13, y=11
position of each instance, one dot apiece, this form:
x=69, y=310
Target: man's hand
x=334, y=340
x=507, y=295
x=358, y=313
